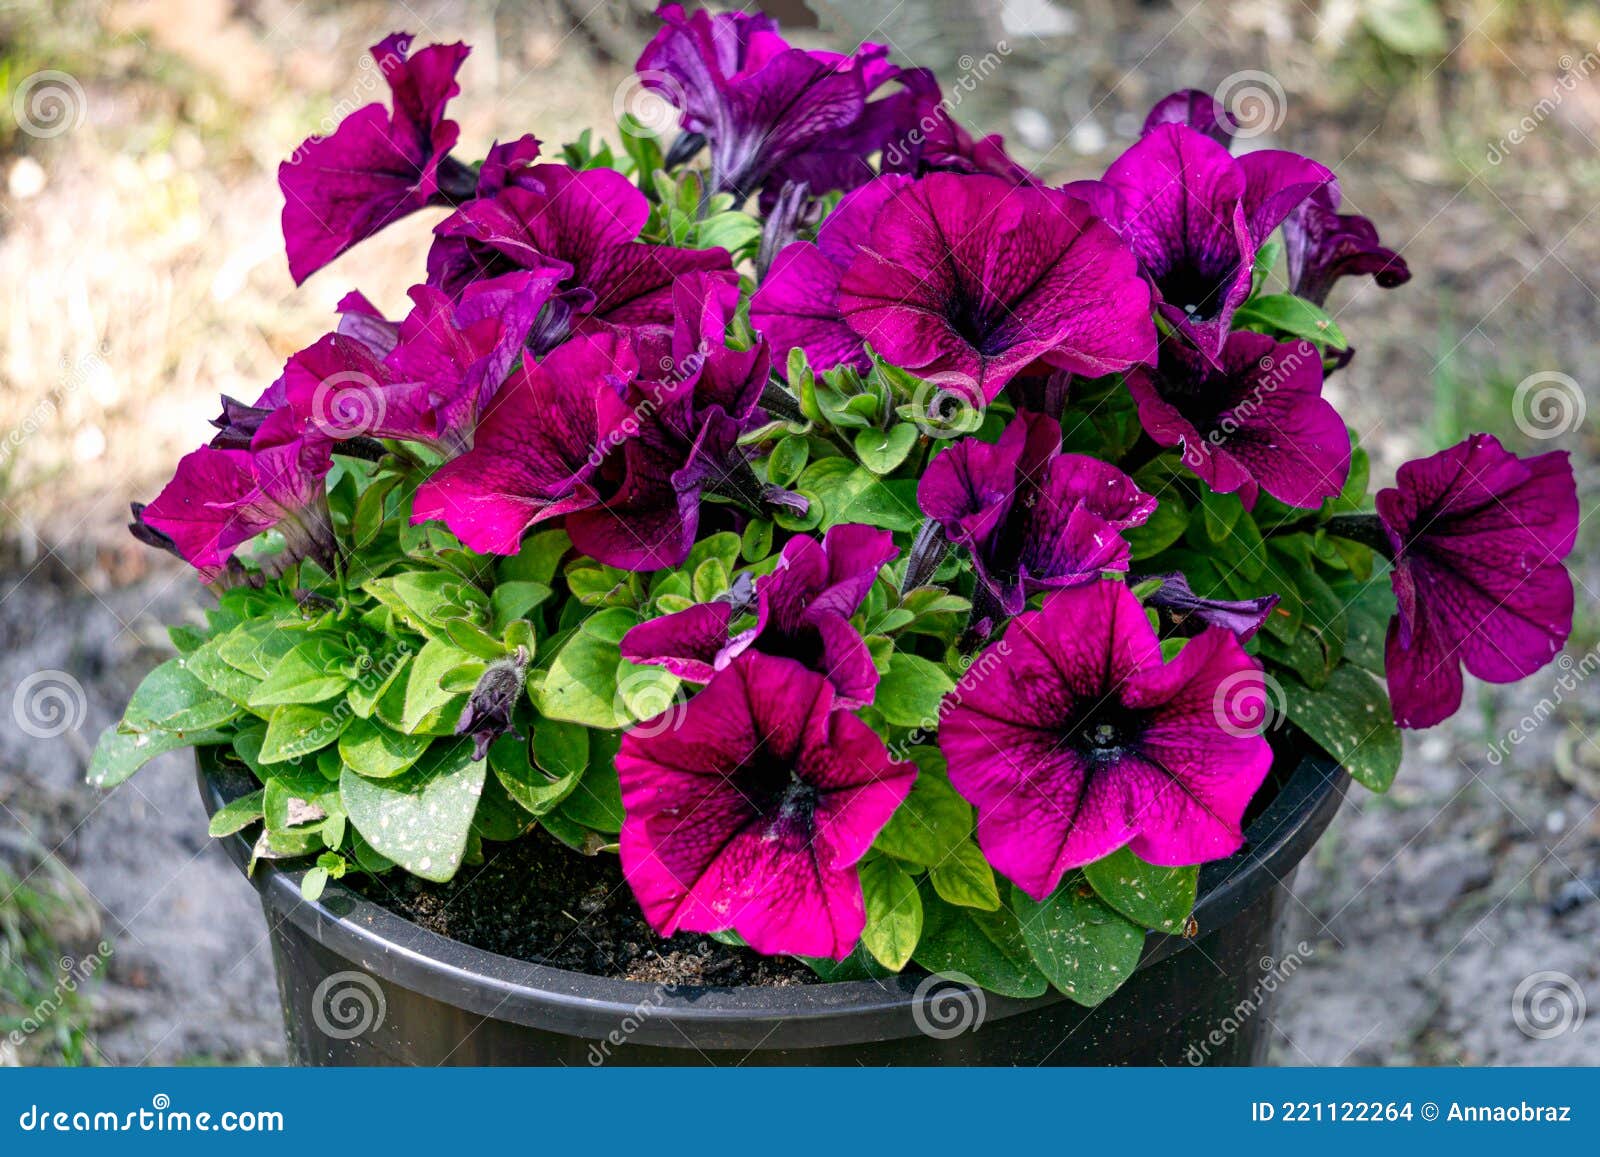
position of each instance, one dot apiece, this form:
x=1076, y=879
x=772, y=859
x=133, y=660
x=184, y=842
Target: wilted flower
x=1078, y=739
x=752, y=812
x=1323, y=245
x=488, y=711
x=1189, y=613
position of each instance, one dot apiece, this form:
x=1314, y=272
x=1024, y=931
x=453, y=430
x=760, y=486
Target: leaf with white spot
x=421, y=818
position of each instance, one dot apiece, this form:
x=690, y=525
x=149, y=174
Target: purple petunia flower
x=966, y=280
x=771, y=112
x=1032, y=517
x=1323, y=245
x=377, y=166
x=536, y=452
x=803, y=613
x=688, y=405
x=1195, y=217
x=1478, y=537
x=1193, y=109
x=1073, y=738
x=587, y=221
x=1189, y=614
x=1255, y=420
x=753, y=811
x=221, y=498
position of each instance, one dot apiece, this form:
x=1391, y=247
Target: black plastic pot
x=363, y=986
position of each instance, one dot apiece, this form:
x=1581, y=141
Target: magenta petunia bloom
x=1254, y=421
x=221, y=498
x=587, y=221
x=1323, y=245
x=537, y=449
x=1478, y=537
x=803, y=611
x=1189, y=613
x=1193, y=109
x=691, y=400
x=965, y=279
x=752, y=812
x=378, y=165
x=1195, y=218
x=1032, y=517
x=1074, y=738
x=770, y=112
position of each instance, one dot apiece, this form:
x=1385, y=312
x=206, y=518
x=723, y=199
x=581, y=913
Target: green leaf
x=933, y=822
x=881, y=451
x=514, y=600
x=1349, y=717
x=757, y=541
x=894, y=912
x=986, y=947
x=1163, y=528
x=1149, y=895
x=965, y=878
x=596, y=803
x=207, y=665
x=256, y=647
x=119, y=753
x=296, y=729
x=1286, y=314
x=537, y=560
x=910, y=693
x=420, y=819
x=1085, y=948
x=538, y=790
x=171, y=699
x=237, y=814
x=428, y=708
x=581, y=685
x=788, y=459
x=377, y=752
x=296, y=799
x=427, y=600
x=312, y=672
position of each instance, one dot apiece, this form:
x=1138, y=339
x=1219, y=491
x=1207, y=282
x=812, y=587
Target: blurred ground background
x=141, y=274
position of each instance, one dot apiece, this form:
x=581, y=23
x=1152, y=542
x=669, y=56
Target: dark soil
x=539, y=901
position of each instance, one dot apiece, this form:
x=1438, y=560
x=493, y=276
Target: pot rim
x=395, y=950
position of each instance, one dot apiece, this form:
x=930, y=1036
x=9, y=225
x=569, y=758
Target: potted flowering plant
x=870, y=553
